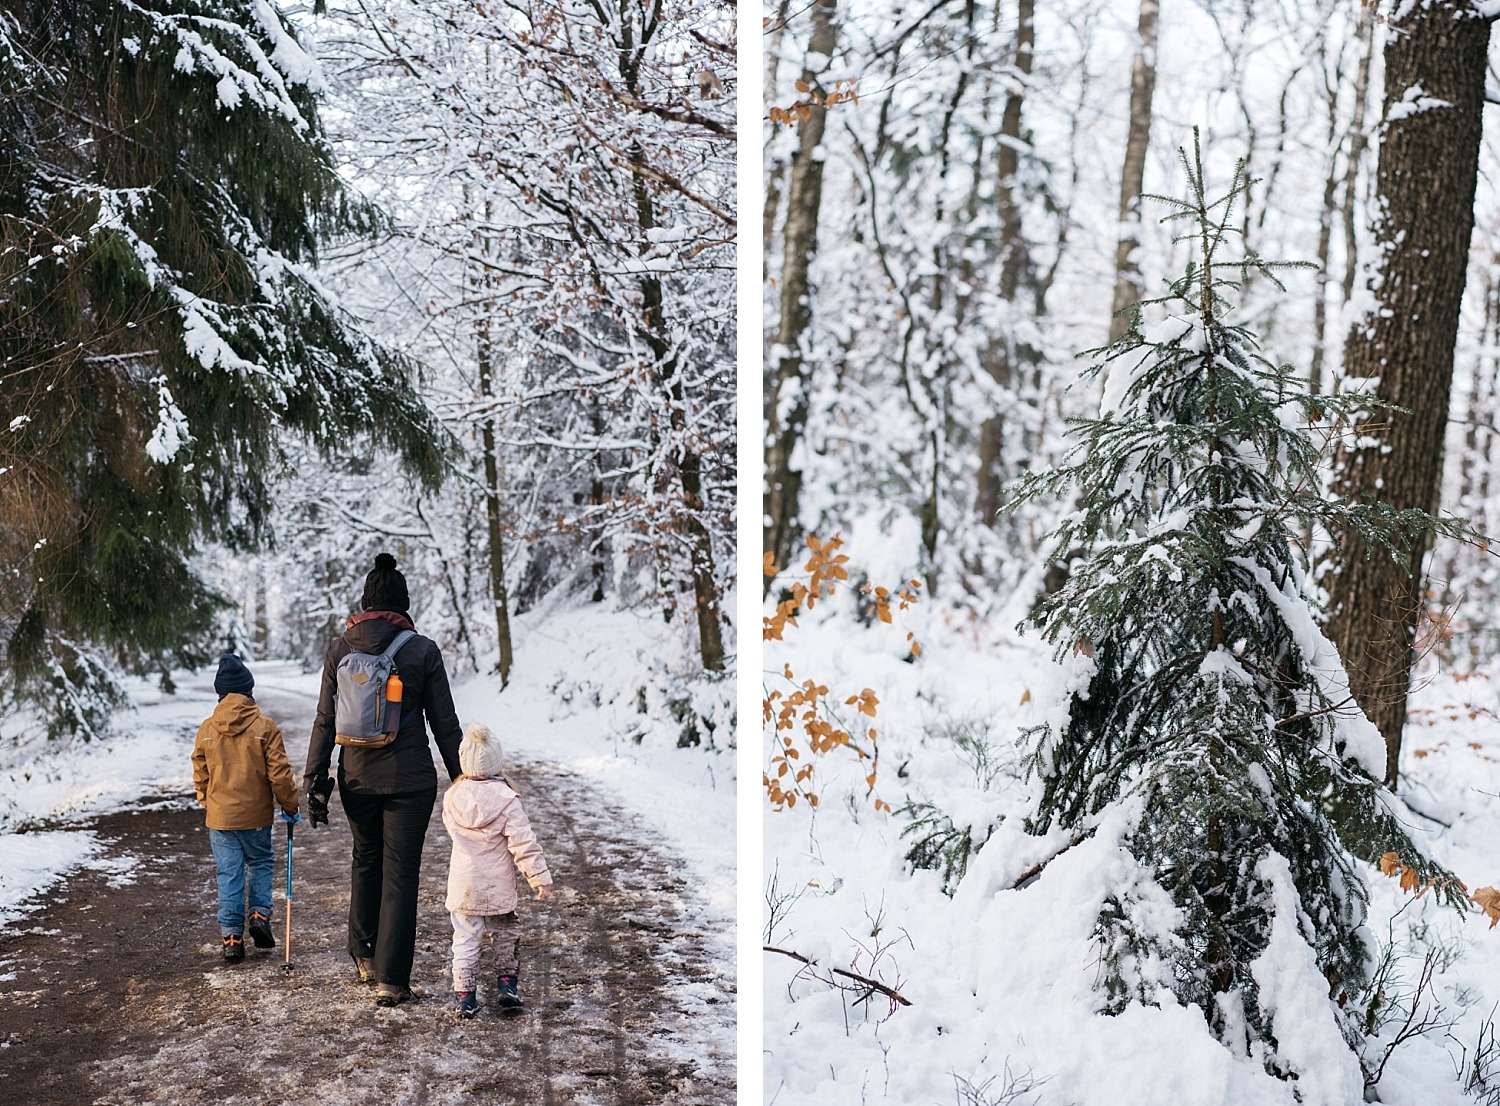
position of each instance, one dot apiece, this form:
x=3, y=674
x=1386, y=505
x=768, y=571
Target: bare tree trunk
x=262, y=615
x=496, y=531
x=686, y=461
x=596, y=499
x=1426, y=180
x=1476, y=405
x=1325, y=245
x=1365, y=35
x=1014, y=260
x=787, y=396
x=1128, y=286
x=775, y=167
x=483, y=284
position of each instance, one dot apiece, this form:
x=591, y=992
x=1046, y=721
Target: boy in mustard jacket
x=239, y=763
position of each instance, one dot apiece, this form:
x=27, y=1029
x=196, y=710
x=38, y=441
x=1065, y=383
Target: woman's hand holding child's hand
x=544, y=892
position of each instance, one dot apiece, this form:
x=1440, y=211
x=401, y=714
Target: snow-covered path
x=114, y=991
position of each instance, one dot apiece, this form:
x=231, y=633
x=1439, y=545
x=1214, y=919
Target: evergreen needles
x=1211, y=725
x=164, y=189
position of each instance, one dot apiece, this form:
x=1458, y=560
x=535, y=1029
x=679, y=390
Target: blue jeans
x=238, y=852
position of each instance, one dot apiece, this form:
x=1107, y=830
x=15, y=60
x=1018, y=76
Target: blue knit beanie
x=233, y=677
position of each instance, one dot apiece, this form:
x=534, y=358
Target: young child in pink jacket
x=491, y=840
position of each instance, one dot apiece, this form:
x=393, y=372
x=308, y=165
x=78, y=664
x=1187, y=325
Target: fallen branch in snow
x=1036, y=869
x=864, y=980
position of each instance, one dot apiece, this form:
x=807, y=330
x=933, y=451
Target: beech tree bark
x=1434, y=95
x=1128, y=286
x=686, y=460
x=1013, y=258
x=787, y=394
x=494, y=528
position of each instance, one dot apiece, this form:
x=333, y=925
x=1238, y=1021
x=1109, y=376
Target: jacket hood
x=475, y=803
x=234, y=714
x=371, y=632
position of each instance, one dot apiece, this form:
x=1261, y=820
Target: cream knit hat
x=479, y=755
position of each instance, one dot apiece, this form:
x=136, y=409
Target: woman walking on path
x=388, y=791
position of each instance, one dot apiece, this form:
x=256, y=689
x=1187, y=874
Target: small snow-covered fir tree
x=1210, y=725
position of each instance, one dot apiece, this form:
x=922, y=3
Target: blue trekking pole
x=287, y=967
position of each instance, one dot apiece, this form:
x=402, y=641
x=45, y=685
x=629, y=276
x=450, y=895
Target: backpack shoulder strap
x=389, y=652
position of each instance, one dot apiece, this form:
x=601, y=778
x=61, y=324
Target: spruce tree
x=164, y=192
x=1211, y=727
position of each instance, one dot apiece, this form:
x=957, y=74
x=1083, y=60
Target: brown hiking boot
x=394, y=994
x=364, y=969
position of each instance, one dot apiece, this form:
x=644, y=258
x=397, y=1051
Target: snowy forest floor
x=115, y=991
x=1002, y=981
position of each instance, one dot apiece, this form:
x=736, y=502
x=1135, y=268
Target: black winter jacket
x=406, y=763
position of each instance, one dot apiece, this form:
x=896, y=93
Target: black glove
x=317, y=801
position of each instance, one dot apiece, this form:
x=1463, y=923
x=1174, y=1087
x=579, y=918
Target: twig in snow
x=863, y=980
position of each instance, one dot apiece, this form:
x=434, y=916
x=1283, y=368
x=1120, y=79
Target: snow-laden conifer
x=1210, y=726
x=164, y=192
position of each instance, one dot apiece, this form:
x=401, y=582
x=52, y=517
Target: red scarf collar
x=394, y=617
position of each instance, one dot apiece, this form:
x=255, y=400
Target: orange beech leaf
x=1026, y=696
x=1390, y=864
x=768, y=564
x=1488, y=900
x=1409, y=879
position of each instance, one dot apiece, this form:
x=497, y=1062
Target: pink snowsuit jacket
x=491, y=839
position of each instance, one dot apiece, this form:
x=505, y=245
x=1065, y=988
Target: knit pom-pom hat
x=479, y=754
x=385, y=588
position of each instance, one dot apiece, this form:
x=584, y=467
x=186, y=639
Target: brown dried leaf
x=1488, y=900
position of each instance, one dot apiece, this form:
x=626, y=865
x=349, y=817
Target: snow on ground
x=589, y=692
x=1000, y=980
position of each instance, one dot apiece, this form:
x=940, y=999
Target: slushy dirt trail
x=114, y=992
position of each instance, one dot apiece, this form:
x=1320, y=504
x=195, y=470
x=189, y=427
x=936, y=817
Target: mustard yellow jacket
x=238, y=762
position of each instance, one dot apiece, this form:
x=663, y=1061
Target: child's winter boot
x=468, y=1003
x=260, y=930
x=234, y=948
x=510, y=995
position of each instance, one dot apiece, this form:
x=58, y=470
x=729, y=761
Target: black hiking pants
x=388, y=832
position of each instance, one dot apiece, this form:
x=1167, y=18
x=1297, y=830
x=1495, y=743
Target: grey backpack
x=363, y=717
